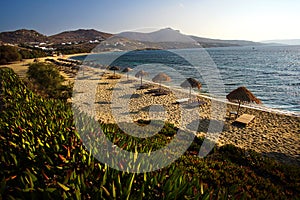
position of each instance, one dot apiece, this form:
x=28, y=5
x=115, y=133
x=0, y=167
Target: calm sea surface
x=270, y=72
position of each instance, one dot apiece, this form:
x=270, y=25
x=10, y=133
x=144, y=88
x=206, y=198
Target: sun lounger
x=160, y=93
x=233, y=113
x=194, y=104
x=180, y=101
x=245, y=119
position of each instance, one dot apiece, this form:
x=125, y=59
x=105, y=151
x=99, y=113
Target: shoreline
x=21, y=67
x=273, y=134
x=257, y=107
x=261, y=107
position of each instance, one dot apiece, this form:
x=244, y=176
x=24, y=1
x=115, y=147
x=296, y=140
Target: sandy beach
x=117, y=100
x=271, y=133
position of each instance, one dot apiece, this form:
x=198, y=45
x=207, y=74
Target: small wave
x=270, y=75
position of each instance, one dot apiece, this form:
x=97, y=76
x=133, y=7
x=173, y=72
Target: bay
x=270, y=72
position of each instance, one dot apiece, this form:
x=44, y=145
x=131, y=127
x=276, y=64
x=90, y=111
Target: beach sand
x=116, y=100
x=273, y=134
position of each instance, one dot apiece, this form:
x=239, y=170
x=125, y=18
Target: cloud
x=181, y=5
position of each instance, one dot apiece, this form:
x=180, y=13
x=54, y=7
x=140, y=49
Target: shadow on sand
x=207, y=125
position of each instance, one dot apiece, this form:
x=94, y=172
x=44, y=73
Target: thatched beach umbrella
x=161, y=77
x=126, y=70
x=191, y=83
x=141, y=73
x=114, y=68
x=242, y=94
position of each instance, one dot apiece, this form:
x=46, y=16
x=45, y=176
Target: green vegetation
x=48, y=79
x=33, y=53
x=42, y=156
x=11, y=53
x=73, y=49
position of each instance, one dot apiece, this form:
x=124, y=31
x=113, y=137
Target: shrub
x=8, y=54
x=48, y=78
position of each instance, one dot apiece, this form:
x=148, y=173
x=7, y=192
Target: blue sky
x=224, y=19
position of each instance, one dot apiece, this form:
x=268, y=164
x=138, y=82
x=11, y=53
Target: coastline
x=261, y=107
x=21, y=67
x=271, y=133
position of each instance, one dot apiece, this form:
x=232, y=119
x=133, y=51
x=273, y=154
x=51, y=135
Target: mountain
x=169, y=38
x=79, y=36
x=162, y=39
x=22, y=36
x=207, y=42
x=162, y=35
x=284, y=41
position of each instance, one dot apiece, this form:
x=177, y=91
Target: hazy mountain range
x=166, y=38
x=170, y=35
x=284, y=42
x=162, y=35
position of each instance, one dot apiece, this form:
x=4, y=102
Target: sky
x=254, y=20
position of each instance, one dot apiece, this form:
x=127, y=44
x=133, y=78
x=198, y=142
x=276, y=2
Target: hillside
x=68, y=42
x=162, y=35
x=29, y=36
x=22, y=36
x=80, y=35
x=207, y=42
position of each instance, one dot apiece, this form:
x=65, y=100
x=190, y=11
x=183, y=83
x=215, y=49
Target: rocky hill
x=80, y=35
x=22, y=36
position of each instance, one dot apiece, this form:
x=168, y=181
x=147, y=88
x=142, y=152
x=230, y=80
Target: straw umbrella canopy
x=114, y=68
x=141, y=73
x=242, y=94
x=191, y=83
x=161, y=77
x=126, y=70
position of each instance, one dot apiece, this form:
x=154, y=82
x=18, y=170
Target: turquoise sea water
x=270, y=72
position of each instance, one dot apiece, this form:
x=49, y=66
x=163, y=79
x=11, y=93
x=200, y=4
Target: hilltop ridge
x=86, y=40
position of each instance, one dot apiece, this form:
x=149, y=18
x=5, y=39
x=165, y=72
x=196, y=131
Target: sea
x=271, y=73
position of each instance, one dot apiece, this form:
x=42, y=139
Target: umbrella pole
x=141, y=80
x=190, y=93
x=127, y=76
x=238, y=108
x=159, y=87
